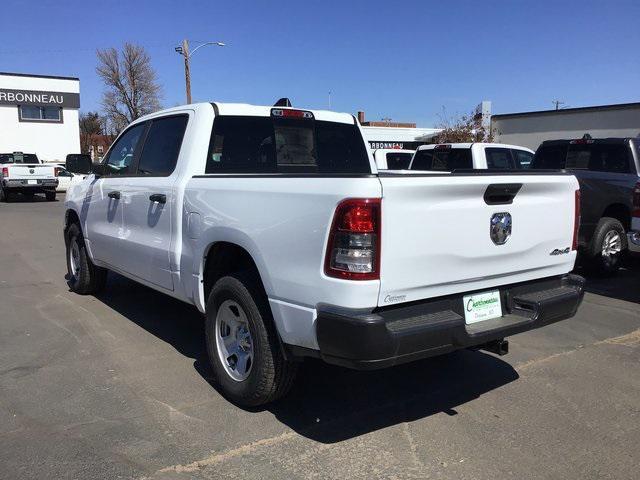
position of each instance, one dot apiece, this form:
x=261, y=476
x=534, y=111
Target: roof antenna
x=283, y=102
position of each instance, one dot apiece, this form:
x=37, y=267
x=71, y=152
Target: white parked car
x=24, y=173
x=392, y=159
x=277, y=225
x=66, y=178
x=463, y=156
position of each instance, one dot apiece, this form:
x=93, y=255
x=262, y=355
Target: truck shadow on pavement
x=625, y=285
x=327, y=403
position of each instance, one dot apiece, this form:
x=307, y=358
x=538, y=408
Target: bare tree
x=462, y=129
x=131, y=84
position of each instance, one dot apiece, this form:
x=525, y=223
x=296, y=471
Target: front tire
x=242, y=342
x=83, y=276
x=607, y=247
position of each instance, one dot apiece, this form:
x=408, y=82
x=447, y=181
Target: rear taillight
x=635, y=211
x=353, y=250
x=5, y=171
x=576, y=220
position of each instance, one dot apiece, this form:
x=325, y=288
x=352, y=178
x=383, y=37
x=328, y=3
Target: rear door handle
x=115, y=195
x=158, y=197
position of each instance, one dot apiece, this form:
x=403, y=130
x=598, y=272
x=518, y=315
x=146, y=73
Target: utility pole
x=557, y=103
x=184, y=51
x=187, y=68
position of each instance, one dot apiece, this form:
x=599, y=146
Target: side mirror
x=79, y=164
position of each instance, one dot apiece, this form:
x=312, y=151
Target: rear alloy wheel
x=242, y=342
x=608, y=246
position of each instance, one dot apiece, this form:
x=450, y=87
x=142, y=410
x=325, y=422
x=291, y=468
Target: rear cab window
x=498, y=158
x=18, y=157
x=398, y=160
x=588, y=155
x=442, y=159
x=246, y=144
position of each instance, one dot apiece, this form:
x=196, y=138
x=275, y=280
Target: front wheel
x=607, y=247
x=244, y=351
x=83, y=276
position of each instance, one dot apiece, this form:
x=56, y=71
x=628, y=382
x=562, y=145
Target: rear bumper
x=24, y=185
x=389, y=336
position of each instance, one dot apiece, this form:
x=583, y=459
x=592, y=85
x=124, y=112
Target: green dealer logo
x=480, y=303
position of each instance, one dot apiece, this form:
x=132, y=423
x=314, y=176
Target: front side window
x=284, y=145
x=120, y=158
x=38, y=114
x=498, y=159
x=162, y=145
x=446, y=160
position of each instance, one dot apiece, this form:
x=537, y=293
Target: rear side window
x=522, y=158
x=282, y=145
x=443, y=160
x=398, y=160
x=498, y=158
x=551, y=157
x=162, y=145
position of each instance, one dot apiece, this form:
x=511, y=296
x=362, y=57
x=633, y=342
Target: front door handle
x=115, y=195
x=158, y=197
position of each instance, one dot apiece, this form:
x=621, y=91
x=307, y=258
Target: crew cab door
x=150, y=202
x=104, y=204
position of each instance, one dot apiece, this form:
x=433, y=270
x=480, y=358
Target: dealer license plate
x=482, y=306
x=32, y=182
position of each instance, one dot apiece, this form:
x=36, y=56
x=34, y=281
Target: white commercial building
x=39, y=114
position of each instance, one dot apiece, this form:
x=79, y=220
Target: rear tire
x=83, y=276
x=608, y=246
x=4, y=197
x=51, y=196
x=238, y=319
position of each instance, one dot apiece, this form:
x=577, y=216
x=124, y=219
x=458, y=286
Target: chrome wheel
x=74, y=257
x=233, y=340
x=611, y=245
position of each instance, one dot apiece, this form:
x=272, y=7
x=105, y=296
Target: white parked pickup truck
x=276, y=224
x=24, y=173
x=452, y=156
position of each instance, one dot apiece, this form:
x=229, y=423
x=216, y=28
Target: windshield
x=442, y=160
x=18, y=158
x=281, y=145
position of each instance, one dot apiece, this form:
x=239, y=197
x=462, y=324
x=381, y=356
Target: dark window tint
x=18, y=158
x=120, y=158
x=266, y=145
x=551, y=157
x=162, y=145
x=444, y=160
x=398, y=160
x=31, y=112
x=522, y=158
x=498, y=159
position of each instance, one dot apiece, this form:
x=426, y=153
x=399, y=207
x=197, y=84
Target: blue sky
x=401, y=60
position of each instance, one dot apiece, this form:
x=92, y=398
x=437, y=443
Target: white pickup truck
x=275, y=223
x=392, y=159
x=452, y=156
x=24, y=173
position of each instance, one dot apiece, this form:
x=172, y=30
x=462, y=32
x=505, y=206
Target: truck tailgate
x=436, y=233
x=35, y=171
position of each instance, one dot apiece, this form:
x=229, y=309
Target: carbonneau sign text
x=40, y=98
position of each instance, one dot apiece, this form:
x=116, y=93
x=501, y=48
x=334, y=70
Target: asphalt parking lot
x=117, y=386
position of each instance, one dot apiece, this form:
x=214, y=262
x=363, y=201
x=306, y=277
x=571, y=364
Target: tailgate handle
x=501, y=193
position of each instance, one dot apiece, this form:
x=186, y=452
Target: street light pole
x=187, y=68
x=184, y=51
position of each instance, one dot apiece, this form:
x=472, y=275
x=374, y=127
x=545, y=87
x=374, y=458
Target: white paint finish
x=49, y=140
x=395, y=134
x=532, y=129
x=435, y=234
x=295, y=323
